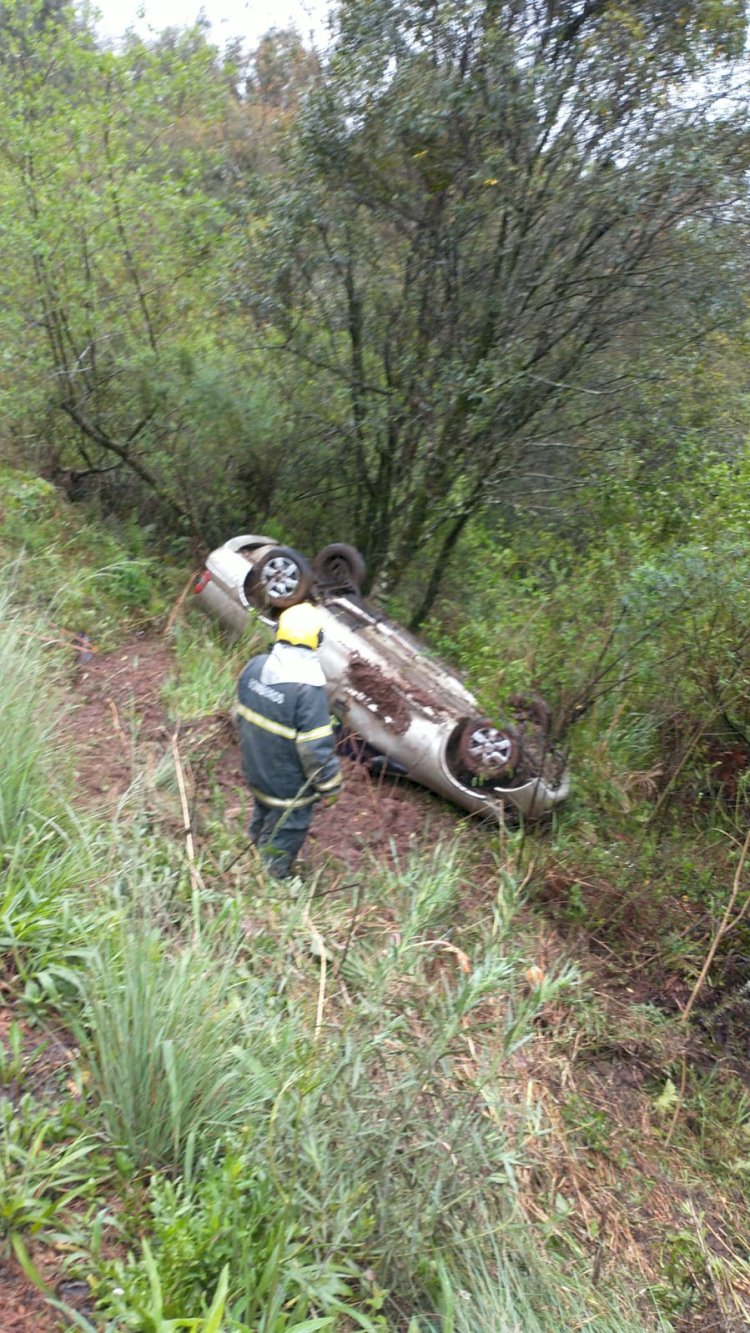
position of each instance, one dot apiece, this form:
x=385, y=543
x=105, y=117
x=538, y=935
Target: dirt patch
x=376, y=816
x=42, y=1055
x=710, y=1321
x=379, y=693
x=703, y=762
x=117, y=721
x=118, y=728
x=611, y=923
x=23, y=1308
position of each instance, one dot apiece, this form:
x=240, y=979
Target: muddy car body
x=383, y=685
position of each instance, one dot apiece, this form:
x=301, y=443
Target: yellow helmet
x=301, y=625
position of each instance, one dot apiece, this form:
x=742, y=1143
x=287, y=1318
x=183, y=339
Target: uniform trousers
x=278, y=832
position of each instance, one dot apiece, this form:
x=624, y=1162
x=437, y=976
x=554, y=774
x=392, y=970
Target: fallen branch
x=179, y=604
x=321, y=995
x=724, y=925
x=71, y=641
x=195, y=877
x=116, y=721
x=678, y=1103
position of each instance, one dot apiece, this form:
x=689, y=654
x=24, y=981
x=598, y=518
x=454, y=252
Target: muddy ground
x=118, y=728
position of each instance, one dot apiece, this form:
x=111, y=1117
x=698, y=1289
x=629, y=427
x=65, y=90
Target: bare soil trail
x=118, y=727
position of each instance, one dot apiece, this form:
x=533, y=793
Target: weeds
x=12, y=1059
x=228, y=1219
x=27, y=716
x=206, y=668
x=173, y=1041
x=509, y=1288
x=359, y=1108
x=46, y=1164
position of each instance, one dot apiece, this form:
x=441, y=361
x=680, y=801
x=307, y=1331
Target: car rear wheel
x=340, y=568
x=488, y=751
x=281, y=578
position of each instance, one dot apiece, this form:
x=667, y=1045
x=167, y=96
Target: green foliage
x=51, y=868
x=372, y=1150
x=638, y=642
x=285, y=1145
x=109, y=246
x=84, y=576
x=172, y=1050
x=228, y=1218
x=520, y=1289
x=12, y=1062
x=147, y=1312
x=387, y=1141
x=46, y=1164
x=27, y=717
x=207, y=666
x=474, y=196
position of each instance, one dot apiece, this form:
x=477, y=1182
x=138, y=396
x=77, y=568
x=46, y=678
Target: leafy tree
x=107, y=256
x=282, y=69
x=484, y=199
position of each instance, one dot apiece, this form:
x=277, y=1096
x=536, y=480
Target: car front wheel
x=280, y=578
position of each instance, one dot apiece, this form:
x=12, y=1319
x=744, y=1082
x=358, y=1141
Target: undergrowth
x=83, y=576
x=363, y=1106
x=207, y=664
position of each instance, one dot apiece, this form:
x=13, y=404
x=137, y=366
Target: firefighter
x=286, y=737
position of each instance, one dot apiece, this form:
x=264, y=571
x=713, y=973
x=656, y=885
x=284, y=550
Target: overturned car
x=393, y=699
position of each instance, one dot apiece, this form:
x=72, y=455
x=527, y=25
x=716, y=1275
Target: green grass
x=518, y=1289
x=251, y=1140
x=47, y=1163
x=28, y=713
x=79, y=574
x=175, y=1042
x=208, y=662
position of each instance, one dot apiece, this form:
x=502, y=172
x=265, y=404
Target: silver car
x=395, y=701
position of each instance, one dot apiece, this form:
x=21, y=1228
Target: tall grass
x=168, y=1035
x=519, y=1288
x=28, y=713
x=378, y=1188
x=326, y=1149
x=50, y=906
x=207, y=665
x=399, y=1133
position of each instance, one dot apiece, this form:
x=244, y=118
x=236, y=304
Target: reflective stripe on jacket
x=286, y=736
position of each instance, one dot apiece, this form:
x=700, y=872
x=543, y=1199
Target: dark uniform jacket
x=286, y=736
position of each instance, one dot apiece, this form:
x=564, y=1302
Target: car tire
x=486, y=750
x=340, y=568
x=281, y=578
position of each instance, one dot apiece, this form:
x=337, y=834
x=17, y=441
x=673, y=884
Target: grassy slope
x=483, y=1112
